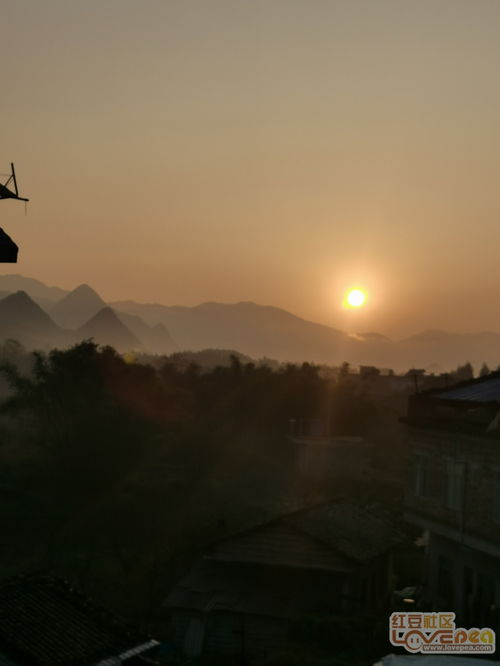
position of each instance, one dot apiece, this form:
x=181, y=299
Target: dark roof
x=43, y=621
x=484, y=389
x=279, y=544
x=251, y=572
x=350, y=530
x=471, y=407
x=329, y=536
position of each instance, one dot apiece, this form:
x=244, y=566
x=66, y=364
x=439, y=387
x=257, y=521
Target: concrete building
x=453, y=494
x=318, y=456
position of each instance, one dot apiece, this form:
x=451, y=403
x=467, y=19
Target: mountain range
x=51, y=317
x=42, y=316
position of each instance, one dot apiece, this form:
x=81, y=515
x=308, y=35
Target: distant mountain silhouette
x=156, y=339
x=432, y=335
x=253, y=330
x=374, y=337
x=106, y=329
x=34, y=288
x=24, y=320
x=257, y=331
x=451, y=349
x=77, y=307
x=161, y=337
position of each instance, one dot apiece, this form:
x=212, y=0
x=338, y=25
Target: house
x=245, y=594
x=328, y=458
x=317, y=455
x=45, y=622
x=453, y=494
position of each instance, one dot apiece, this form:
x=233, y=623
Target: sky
x=275, y=151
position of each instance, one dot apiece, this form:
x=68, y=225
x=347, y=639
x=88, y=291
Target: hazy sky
x=278, y=151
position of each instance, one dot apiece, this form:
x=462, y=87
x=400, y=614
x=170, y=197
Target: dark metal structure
x=8, y=249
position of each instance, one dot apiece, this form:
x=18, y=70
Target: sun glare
x=355, y=298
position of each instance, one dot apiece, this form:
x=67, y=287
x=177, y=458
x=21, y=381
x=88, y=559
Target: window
x=445, y=581
x=420, y=475
x=455, y=484
x=496, y=498
x=484, y=602
x=467, y=594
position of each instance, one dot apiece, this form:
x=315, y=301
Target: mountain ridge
x=23, y=319
x=259, y=331
x=77, y=307
x=105, y=328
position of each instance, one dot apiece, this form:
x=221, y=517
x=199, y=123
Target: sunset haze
x=275, y=151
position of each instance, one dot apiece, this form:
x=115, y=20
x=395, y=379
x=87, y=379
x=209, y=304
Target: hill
x=77, y=307
x=253, y=330
x=34, y=288
x=447, y=350
x=24, y=320
x=106, y=329
x=156, y=339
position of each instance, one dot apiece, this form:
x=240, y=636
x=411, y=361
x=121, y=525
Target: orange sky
x=278, y=151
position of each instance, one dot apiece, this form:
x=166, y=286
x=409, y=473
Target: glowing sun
x=355, y=298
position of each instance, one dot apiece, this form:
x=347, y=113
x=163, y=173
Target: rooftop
x=279, y=544
x=471, y=407
x=45, y=622
x=249, y=572
x=333, y=535
x=355, y=532
x=484, y=389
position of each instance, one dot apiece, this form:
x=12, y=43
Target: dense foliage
x=117, y=473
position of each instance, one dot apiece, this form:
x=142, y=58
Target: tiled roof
x=482, y=390
x=279, y=544
x=43, y=621
x=5, y=661
x=348, y=529
x=250, y=572
x=329, y=536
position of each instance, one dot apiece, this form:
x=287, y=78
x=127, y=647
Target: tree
x=345, y=369
x=484, y=370
x=84, y=408
x=464, y=373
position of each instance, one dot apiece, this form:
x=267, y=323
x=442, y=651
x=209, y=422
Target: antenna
x=8, y=249
x=5, y=192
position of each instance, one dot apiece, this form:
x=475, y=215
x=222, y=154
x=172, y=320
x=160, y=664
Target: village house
x=316, y=455
x=45, y=622
x=328, y=458
x=453, y=495
x=245, y=594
